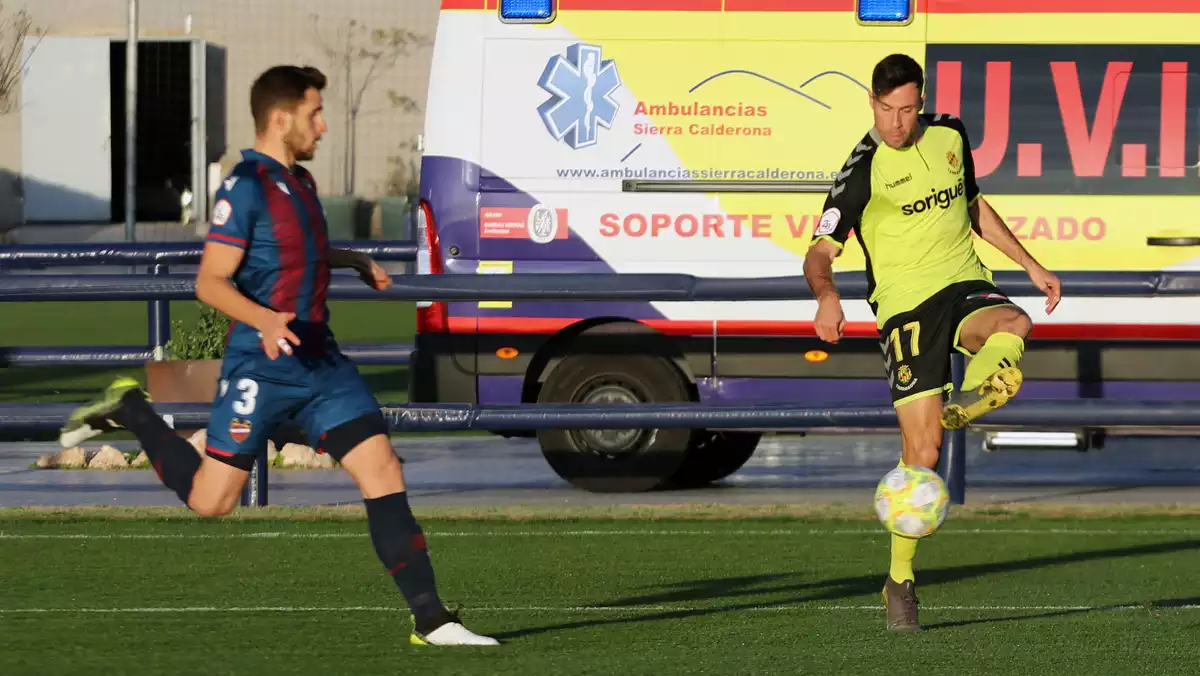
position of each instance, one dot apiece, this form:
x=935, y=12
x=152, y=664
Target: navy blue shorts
x=256, y=395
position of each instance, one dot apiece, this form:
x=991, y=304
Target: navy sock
x=400, y=545
x=173, y=458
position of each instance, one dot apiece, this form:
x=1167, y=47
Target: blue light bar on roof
x=528, y=11
x=884, y=11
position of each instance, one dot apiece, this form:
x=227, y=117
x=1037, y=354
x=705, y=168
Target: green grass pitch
x=606, y=591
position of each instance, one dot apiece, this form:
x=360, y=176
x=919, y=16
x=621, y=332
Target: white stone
x=72, y=457
x=108, y=458
x=296, y=455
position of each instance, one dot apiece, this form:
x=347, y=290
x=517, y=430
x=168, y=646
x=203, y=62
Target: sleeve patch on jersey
x=829, y=221
x=222, y=210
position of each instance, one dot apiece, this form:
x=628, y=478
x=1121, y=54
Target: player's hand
x=373, y=275
x=276, y=335
x=1049, y=284
x=830, y=320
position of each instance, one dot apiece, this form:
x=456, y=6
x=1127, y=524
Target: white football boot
x=451, y=633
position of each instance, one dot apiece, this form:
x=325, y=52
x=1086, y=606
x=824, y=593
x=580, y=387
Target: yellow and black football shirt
x=908, y=209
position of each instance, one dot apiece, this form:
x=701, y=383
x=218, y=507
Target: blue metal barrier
x=162, y=286
x=159, y=256
x=384, y=354
x=28, y=257
x=577, y=287
x=1055, y=413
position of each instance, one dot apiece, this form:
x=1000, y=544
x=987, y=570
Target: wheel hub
x=616, y=442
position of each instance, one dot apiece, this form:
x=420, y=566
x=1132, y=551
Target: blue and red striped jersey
x=274, y=214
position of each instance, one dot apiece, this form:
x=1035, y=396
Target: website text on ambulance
x=705, y=174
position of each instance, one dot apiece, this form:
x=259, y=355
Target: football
x=911, y=502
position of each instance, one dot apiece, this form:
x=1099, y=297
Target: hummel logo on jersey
x=899, y=182
x=937, y=198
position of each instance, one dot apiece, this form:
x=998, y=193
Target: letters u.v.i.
x=1071, y=113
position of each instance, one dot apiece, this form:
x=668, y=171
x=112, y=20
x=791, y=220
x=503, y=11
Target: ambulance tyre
x=614, y=460
x=714, y=455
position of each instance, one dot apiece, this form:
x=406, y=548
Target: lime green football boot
x=99, y=415
x=995, y=391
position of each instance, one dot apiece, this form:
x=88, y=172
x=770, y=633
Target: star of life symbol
x=581, y=87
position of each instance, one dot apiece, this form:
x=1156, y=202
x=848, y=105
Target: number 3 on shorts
x=248, y=399
x=913, y=329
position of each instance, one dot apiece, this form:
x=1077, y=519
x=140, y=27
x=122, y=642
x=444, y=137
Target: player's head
x=287, y=108
x=897, y=95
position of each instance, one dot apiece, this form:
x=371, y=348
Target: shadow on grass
x=841, y=589
x=1151, y=608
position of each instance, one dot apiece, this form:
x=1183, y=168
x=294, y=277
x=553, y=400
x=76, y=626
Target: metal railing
x=163, y=286
x=159, y=257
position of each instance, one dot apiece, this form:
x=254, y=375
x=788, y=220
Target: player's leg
x=124, y=405
x=344, y=421
x=921, y=443
x=209, y=484
x=992, y=331
x=254, y=398
x=916, y=348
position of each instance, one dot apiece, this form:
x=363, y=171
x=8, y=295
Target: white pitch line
x=802, y=608
x=593, y=533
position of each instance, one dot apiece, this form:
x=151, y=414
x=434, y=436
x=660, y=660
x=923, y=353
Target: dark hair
x=896, y=70
x=282, y=87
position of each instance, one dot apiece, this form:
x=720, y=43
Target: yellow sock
x=903, y=551
x=1000, y=350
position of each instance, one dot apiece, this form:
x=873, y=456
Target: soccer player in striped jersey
x=266, y=264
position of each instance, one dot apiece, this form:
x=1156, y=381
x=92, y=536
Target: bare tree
x=404, y=176
x=369, y=53
x=13, y=30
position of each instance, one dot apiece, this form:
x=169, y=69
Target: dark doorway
x=164, y=129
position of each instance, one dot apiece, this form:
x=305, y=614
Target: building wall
x=257, y=34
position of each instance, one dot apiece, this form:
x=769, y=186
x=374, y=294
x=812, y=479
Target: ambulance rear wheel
x=614, y=460
x=714, y=455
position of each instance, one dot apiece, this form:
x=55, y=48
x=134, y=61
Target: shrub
x=206, y=340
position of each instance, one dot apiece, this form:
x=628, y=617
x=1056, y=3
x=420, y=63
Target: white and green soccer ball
x=912, y=502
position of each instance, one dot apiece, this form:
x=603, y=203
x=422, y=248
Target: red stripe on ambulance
x=740, y=327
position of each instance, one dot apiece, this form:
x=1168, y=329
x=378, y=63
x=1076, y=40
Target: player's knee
x=375, y=467
x=1015, y=322
x=212, y=507
x=217, y=486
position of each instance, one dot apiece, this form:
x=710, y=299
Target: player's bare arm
x=217, y=265
x=991, y=229
x=368, y=270
x=818, y=271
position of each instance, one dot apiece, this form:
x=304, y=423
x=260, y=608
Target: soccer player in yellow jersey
x=908, y=192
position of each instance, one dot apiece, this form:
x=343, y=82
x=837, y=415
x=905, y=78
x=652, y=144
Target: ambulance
x=700, y=137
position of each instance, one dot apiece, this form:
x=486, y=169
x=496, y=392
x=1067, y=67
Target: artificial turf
x=300, y=591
